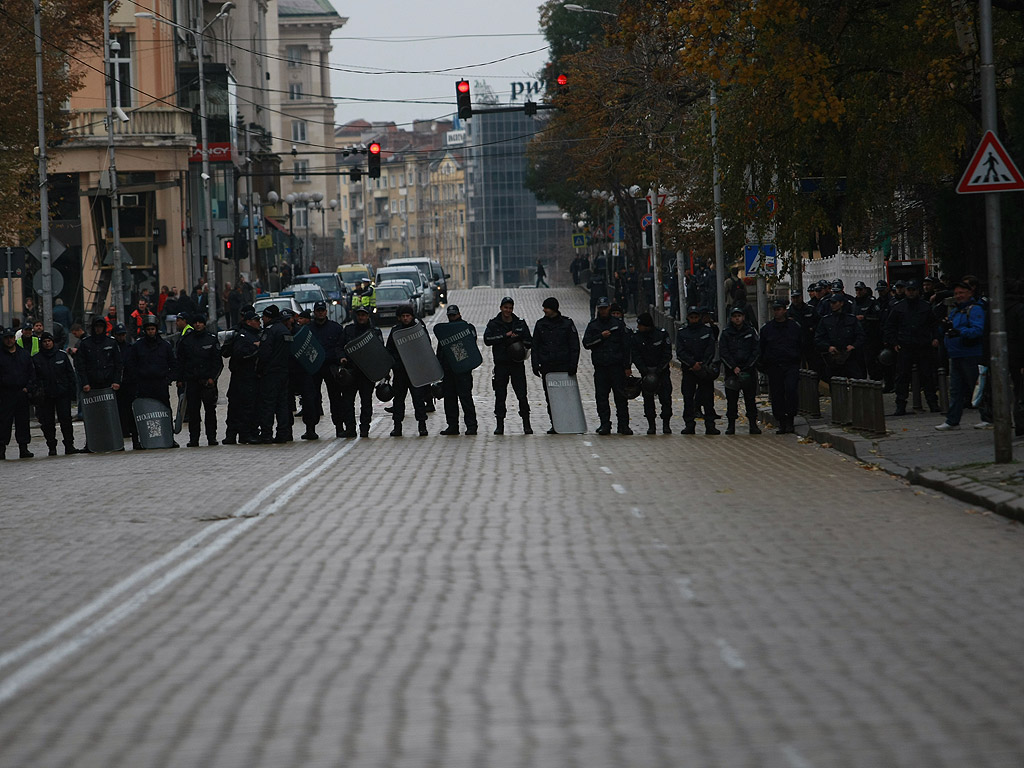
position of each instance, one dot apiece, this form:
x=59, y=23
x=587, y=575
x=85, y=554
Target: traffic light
x=355, y=174
x=649, y=235
x=229, y=249
x=464, y=99
x=530, y=108
x=373, y=160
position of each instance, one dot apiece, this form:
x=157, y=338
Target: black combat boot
x=51, y=448
x=527, y=429
x=731, y=429
x=689, y=429
x=499, y=427
x=710, y=428
x=397, y=431
x=666, y=427
x=24, y=452
x=651, y=429
x=423, y=429
x=604, y=429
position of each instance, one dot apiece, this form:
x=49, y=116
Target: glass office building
x=508, y=228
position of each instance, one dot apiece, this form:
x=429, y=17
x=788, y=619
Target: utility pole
x=117, y=284
x=44, y=197
x=719, y=244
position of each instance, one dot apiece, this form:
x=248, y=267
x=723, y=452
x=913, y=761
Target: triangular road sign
x=990, y=170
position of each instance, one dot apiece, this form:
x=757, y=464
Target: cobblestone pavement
x=516, y=601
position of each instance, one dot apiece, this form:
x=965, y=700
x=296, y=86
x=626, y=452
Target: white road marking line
x=794, y=757
x=684, y=584
x=606, y=470
x=637, y=513
x=730, y=655
x=43, y=664
x=594, y=456
x=618, y=489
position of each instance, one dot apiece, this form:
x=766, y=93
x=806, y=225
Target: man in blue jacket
x=964, y=328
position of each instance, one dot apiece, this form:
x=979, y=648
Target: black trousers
x=14, y=412
x=241, y=420
x=503, y=374
x=732, y=399
x=611, y=379
x=783, y=390
x=458, y=390
x=664, y=395
x=201, y=396
x=51, y=411
x=364, y=387
x=924, y=357
x=313, y=401
x=124, y=411
x=698, y=398
x=275, y=401
x=401, y=388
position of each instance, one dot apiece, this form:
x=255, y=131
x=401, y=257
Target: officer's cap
x=119, y=328
x=899, y=284
x=930, y=279
x=453, y=309
x=8, y=332
x=287, y=314
x=779, y=304
x=306, y=313
x=645, y=319
x=881, y=284
x=362, y=308
x=833, y=297
x=250, y=315
x=550, y=303
x=272, y=311
x=320, y=305
x=837, y=284
x=603, y=302
x=737, y=311
x=198, y=317
x=859, y=284
x=693, y=311
x=795, y=292
x=182, y=316
x=507, y=300
x=912, y=285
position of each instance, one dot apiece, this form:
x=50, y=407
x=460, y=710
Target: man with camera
x=963, y=329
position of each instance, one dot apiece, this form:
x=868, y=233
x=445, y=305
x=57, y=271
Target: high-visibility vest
x=35, y=345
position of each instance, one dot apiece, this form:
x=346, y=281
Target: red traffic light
x=374, y=148
x=462, y=86
x=562, y=80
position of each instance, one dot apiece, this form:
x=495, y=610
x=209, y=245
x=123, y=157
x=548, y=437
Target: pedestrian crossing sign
x=990, y=170
x=580, y=241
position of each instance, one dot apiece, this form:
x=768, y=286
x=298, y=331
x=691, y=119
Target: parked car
x=435, y=276
x=335, y=288
x=351, y=273
x=418, y=279
x=308, y=294
x=390, y=295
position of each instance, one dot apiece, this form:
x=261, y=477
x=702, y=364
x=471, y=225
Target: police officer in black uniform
x=914, y=333
x=17, y=379
x=330, y=335
x=56, y=375
x=199, y=366
x=509, y=338
x=607, y=338
x=781, y=341
x=149, y=368
x=739, y=347
x=273, y=361
x=650, y=351
x=124, y=395
x=696, y=350
x=840, y=339
x=401, y=384
x=242, y=388
x=869, y=315
x=360, y=383
x=457, y=387
x=98, y=360
x=556, y=346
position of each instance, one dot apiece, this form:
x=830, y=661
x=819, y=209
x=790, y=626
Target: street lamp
x=291, y=198
x=197, y=37
x=580, y=9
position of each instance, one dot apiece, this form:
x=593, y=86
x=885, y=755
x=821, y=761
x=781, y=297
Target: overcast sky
x=391, y=35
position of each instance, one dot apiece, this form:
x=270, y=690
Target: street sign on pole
x=990, y=170
x=759, y=258
x=646, y=221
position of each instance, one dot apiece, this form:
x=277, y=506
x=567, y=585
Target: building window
x=300, y=218
x=301, y=170
x=401, y=206
x=394, y=206
x=369, y=233
x=298, y=130
x=121, y=69
x=295, y=91
x=296, y=55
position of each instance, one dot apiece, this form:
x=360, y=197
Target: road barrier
x=809, y=402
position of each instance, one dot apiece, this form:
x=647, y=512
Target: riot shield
x=307, y=350
x=179, y=414
x=567, y=416
x=417, y=355
x=458, y=345
x=153, y=423
x=369, y=354
x=102, y=424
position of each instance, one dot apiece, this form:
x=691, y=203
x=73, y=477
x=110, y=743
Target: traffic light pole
x=117, y=282
x=44, y=198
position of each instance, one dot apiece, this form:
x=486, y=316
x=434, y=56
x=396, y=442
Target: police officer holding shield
x=199, y=366
x=401, y=385
x=695, y=349
x=556, y=346
x=242, y=388
x=331, y=338
x=739, y=347
x=272, y=367
x=360, y=383
x=57, y=377
x=457, y=387
x=651, y=353
x=607, y=338
x=509, y=338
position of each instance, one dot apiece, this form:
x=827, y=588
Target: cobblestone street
x=545, y=601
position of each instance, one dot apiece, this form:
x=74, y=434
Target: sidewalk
x=958, y=463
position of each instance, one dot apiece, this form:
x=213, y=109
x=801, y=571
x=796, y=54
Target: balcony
x=148, y=127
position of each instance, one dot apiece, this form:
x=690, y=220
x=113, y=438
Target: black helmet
x=649, y=383
x=437, y=390
x=631, y=387
x=517, y=351
x=887, y=357
x=732, y=381
x=384, y=392
x=343, y=375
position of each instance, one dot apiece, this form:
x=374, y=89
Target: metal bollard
x=875, y=422
x=841, y=411
x=915, y=389
x=857, y=416
x=809, y=402
x=943, y=390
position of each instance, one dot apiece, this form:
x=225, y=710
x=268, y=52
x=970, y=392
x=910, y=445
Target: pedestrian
x=509, y=338
x=61, y=314
x=964, y=328
x=360, y=384
x=781, y=340
x=331, y=337
x=17, y=379
x=556, y=347
x=541, y=274
x=55, y=375
x=632, y=289
x=400, y=382
x=136, y=319
x=457, y=388
x=607, y=338
x=912, y=331
x=199, y=364
x=274, y=358
x=650, y=350
x=242, y=387
x=696, y=350
x=740, y=347
x=234, y=302
x=839, y=340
